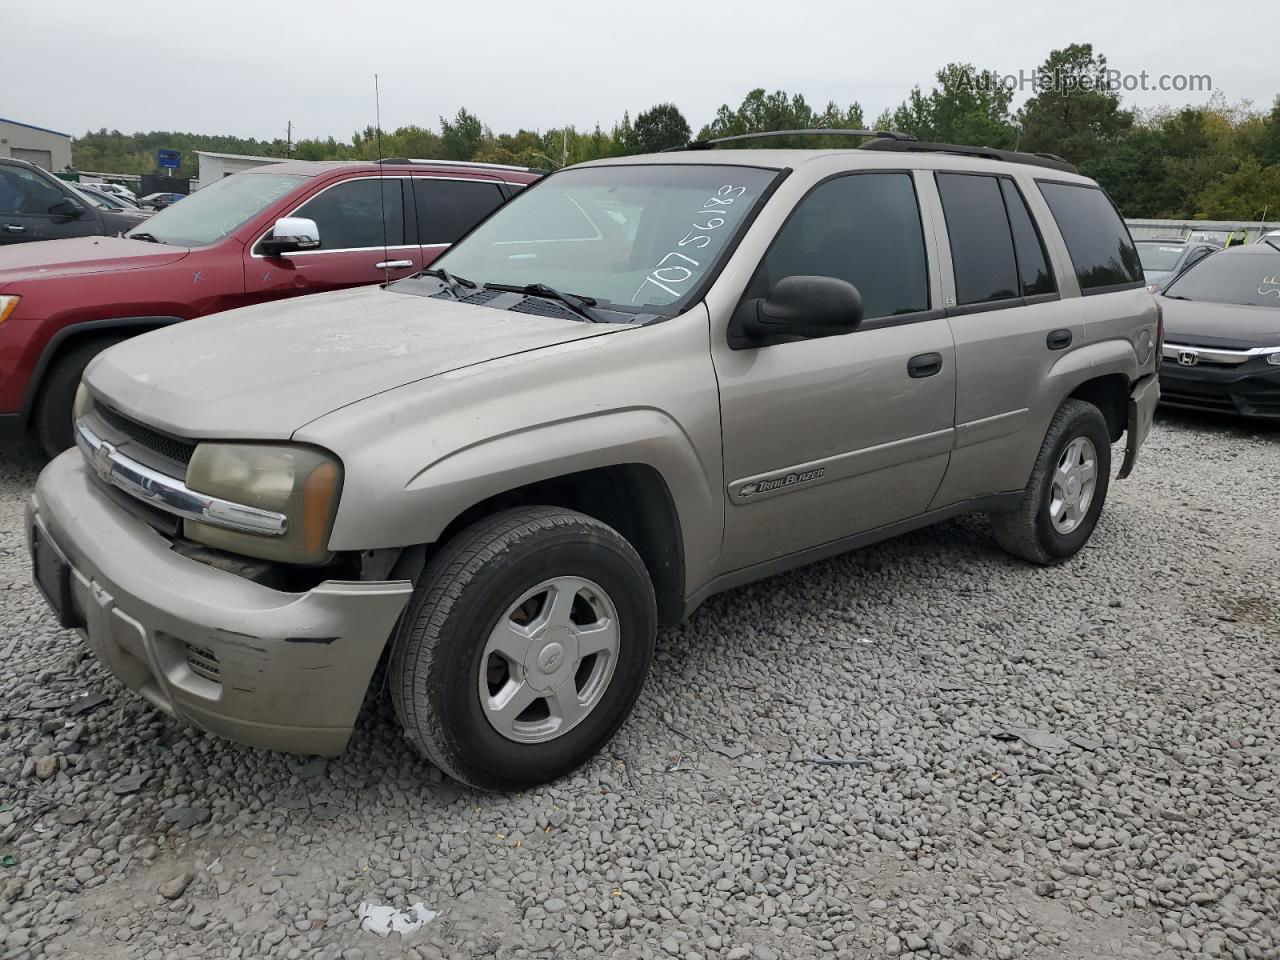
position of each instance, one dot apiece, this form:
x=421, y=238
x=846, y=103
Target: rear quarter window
x=1102, y=252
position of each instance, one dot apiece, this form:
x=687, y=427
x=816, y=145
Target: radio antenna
x=382, y=185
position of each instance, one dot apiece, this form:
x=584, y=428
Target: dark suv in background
x=344, y=224
x=35, y=205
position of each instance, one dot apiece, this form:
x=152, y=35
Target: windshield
x=98, y=200
x=1158, y=256
x=211, y=213
x=1248, y=280
x=634, y=238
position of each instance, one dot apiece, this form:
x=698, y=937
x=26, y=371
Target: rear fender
x=1090, y=362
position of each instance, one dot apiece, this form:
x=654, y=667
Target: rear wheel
x=525, y=646
x=1068, y=486
x=51, y=418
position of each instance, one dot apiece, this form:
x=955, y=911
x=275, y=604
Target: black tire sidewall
x=487, y=758
x=1087, y=422
x=51, y=418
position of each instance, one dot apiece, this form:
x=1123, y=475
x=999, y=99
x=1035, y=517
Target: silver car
x=1163, y=259
x=642, y=381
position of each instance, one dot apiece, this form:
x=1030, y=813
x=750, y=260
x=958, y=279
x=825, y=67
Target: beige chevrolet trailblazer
x=640, y=382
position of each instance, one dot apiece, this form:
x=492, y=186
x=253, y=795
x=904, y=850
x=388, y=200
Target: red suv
x=275, y=231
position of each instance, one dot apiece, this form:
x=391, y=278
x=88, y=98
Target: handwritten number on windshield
x=667, y=273
x=1274, y=284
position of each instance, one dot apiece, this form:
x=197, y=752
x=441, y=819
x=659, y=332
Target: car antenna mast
x=382, y=186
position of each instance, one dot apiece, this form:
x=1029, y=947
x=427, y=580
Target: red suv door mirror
x=289, y=234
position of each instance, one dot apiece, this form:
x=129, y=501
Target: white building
x=215, y=166
x=45, y=148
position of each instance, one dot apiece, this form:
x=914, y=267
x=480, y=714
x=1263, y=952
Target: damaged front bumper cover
x=284, y=671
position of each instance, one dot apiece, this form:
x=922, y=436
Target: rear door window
x=447, y=209
x=986, y=269
x=862, y=228
x=1102, y=252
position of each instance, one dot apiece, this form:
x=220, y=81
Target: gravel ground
x=1146, y=823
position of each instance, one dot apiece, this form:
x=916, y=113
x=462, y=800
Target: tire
x=1030, y=531
x=466, y=600
x=51, y=418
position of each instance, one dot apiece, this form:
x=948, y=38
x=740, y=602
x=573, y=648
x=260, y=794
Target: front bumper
x=1249, y=389
x=285, y=671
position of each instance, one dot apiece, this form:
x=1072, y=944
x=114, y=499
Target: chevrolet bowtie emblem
x=102, y=460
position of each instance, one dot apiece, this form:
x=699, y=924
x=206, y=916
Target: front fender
x=418, y=457
x=446, y=488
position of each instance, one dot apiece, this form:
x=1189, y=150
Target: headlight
x=82, y=404
x=7, y=306
x=303, y=483
x=1274, y=358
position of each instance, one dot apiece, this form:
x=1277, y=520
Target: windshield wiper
x=451, y=283
x=1272, y=243
x=1177, y=296
x=579, y=305
x=149, y=238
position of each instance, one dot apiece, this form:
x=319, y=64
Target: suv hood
x=1201, y=323
x=76, y=256
x=262, y=372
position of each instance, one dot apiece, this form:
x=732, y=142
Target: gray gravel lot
x=1146, y=825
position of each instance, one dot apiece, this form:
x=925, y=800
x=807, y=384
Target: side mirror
x=289, y=234
x=67, y=208
x=799, y=307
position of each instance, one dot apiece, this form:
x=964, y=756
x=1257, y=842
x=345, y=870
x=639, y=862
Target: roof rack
x=1048, y=160
x=463, y=163
x=709, y=144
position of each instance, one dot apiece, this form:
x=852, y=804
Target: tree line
x=1217, y=161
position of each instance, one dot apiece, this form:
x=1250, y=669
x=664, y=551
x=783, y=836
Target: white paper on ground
x=385, y=920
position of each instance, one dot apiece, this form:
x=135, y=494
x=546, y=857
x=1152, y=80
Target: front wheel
x=1068, y=485
x=525, y=647
x=51, y=418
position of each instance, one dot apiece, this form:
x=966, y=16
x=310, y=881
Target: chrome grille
x=1211, y=356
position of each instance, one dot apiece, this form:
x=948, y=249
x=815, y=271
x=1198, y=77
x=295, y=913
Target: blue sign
x=169, y=159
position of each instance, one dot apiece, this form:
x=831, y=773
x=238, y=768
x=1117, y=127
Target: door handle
x=393, y=264
x=1058, y=339
x=14, y=228
x=924, y=365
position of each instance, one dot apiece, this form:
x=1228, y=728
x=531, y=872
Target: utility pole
x=288, y=141
x=564, y=149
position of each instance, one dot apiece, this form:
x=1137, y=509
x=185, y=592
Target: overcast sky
x=246, y=69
